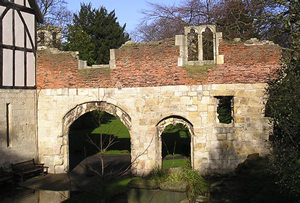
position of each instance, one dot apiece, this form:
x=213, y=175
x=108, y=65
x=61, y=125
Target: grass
x=118, y=152
x=198, y=72
x=171, y=163
x=197, y=184
x=92, y=72
x=173, y=155
x=114, y=127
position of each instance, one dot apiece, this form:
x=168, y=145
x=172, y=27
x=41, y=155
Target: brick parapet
x=155, y=64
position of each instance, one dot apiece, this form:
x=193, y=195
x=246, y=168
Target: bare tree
x=235, y=18
x=164, y=21
x=55, y=13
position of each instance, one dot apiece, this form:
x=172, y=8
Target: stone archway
x=83, y=108
x=173, y=120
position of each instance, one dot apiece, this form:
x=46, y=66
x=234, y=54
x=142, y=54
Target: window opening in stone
x=207, y=45
x=54, y=36
x=54, y=39
x=225, y=109
x=176, y=146
x=8, y=124
x=93, y=137
x=42, y=38
x=192, y=45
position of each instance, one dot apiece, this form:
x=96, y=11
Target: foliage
x=176, y=140
x=93, y=33
x=234, y=20
x=180, y=128
x=284, y=107
x=197, y=184
x=113, y=127
x=224, y=109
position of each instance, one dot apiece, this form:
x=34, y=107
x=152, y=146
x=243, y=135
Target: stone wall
x=21, y=121
x=215, y=147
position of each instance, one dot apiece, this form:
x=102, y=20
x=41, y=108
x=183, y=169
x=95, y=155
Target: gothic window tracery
x=193, y=52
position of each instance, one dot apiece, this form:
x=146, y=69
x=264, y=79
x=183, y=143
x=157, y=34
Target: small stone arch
x=81, y=109
x=207, y=36
x=173, y=120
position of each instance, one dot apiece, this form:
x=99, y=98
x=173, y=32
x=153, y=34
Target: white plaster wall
x=217, y=147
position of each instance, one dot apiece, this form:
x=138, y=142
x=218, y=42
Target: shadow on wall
x=228, y=151
x=12, y=154
x=223, y=156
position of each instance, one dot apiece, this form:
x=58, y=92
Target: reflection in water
x=34, y=196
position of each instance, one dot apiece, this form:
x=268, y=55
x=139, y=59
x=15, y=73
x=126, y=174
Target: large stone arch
x=86, y=107
x=173, y=120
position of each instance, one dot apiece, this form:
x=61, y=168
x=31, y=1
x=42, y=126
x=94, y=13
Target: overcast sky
x=127, y=11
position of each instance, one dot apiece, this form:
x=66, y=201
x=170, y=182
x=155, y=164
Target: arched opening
x=193, y=51
x=207, y=44
x=175, y=135
x=97, y=138
x=176, y=148
x=95, y=133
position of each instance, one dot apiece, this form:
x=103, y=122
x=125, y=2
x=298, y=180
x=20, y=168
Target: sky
x=127, y=11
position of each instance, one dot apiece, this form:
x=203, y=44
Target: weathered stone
x=143, y=184
x=178, y=186
x=201, y=121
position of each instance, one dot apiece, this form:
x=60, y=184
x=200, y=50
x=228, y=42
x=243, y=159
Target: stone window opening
x=54, y=38
x=225, y=109
x=8, y=124
x=199, y=46
x=42, y=38
x=193, y=46
x=208, y=44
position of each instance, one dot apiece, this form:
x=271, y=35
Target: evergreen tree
x=284, y=104
x=93, y=33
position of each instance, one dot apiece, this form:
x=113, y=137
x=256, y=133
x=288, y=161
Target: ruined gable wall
x=155, y=64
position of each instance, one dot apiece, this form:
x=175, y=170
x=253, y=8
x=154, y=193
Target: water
x=23, y=195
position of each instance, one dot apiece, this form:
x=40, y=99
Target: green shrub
x=197, y=185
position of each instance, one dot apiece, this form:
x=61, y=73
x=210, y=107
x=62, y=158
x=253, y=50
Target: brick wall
x=155, y=64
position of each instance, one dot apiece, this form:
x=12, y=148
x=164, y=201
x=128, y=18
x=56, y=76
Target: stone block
x=195, y=100
x=206, y=93
x=200, y=147
x=205, y=100
x=222, y=92
x=221, y=136
x=192, y=108
x=203, y=107
x=62, y=92
x=59, y=169
x=192, y=94
x=238, y=119
x=185, y=100
x=220, y=59
x=178, y=94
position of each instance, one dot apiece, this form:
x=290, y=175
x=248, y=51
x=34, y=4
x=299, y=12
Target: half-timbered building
x=18, y=45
